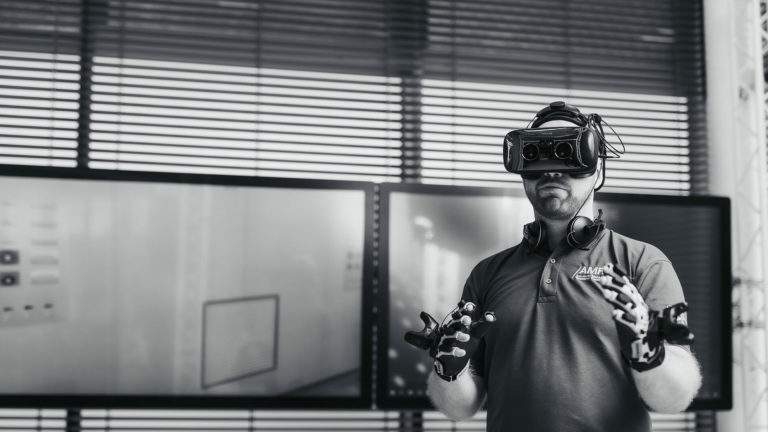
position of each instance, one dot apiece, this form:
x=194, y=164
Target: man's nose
x=553, y=174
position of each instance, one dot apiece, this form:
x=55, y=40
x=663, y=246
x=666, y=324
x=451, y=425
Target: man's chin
x=555, y=210
x=556, y=215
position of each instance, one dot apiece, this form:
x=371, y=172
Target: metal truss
x=749, y=213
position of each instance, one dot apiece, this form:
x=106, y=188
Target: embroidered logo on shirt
x=588, y=272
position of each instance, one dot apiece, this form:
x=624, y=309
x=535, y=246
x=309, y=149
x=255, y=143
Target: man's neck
x=557, y=229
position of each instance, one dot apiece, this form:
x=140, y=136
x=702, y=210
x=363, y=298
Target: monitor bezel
x=722, y=204
x=89, y=401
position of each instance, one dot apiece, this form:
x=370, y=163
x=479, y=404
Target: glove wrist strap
x=449, y=378
x=653, y=362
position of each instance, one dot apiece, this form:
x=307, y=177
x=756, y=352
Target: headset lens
x=563, y=150
x=530, y=152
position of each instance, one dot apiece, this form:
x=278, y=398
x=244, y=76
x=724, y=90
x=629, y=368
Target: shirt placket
x=548, y=282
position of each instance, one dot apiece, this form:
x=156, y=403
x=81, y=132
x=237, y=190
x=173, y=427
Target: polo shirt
x=552, y=361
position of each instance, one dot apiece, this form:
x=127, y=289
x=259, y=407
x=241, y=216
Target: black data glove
x=642, y=331
x=452, y=344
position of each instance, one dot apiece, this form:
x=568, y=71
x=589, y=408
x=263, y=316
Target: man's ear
x=600, y=173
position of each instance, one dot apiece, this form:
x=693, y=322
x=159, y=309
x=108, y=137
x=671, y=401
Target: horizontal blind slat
x=39, y=82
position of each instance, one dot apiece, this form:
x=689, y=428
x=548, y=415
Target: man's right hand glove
x=642, y=331
x=452, y=344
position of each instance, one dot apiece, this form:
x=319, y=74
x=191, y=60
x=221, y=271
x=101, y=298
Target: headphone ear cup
x=582, y=230
x=533, y=234
x=578, y=231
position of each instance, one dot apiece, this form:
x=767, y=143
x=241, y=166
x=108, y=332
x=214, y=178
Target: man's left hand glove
x=451, y=345
x=642, y=331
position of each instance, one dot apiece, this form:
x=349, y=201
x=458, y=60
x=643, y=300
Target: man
x=574, y=344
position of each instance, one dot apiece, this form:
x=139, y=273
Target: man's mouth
x=552, y=186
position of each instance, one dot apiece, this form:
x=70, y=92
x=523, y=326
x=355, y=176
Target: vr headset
x=573, y=150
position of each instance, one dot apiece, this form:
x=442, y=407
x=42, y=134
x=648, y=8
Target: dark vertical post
x=73, y=420
x=690, y=82
x=407, y=44
x=411, y=421
x=706, y=421
x=84, y=102
x=375, y=287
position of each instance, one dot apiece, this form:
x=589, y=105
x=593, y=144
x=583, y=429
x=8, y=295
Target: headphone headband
x=559, y=110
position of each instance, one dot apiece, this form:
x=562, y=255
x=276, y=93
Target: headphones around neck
x=581, y=232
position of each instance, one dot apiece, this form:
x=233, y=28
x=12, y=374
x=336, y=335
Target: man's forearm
x=670, y=387
x=460, y=399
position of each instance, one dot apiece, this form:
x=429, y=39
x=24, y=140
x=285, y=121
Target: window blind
x=491, y=65
x=269, y=88
x=461, y=135
x=39, y=82
x=249, y=420
x=359, y=90
x=33, y=419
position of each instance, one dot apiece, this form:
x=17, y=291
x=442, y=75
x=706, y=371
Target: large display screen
x=432, y=236
x=116, y=293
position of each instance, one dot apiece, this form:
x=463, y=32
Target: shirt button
x=548, y=281
x=552, y=260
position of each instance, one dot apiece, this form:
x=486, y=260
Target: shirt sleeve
x=659, y=285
